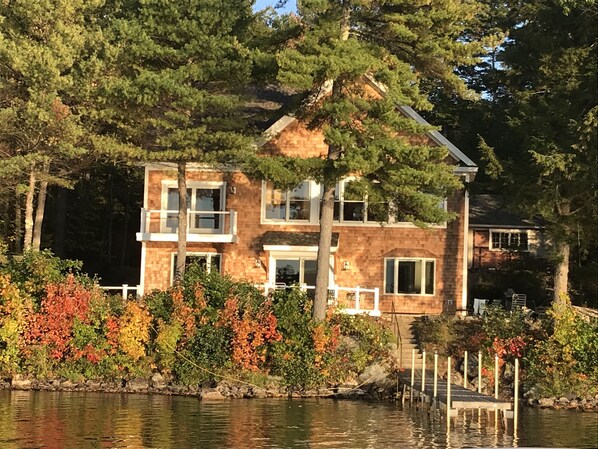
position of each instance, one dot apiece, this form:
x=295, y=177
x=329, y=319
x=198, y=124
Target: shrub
x=36, y=270
x=15, y=308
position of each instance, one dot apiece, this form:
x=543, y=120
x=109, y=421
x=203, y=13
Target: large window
x=352, y=207
x=409, y=276
x=202, y=200
x=207, y=261
x=509, y=240
x=288, y=205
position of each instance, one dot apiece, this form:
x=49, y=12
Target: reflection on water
x=62, y=420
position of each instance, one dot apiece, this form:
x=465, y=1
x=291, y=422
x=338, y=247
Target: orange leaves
x=252, y=331
x=53, y=325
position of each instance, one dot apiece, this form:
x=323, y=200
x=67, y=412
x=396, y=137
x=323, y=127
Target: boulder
x=19, y=382
x=211, y=394
x=157, y=381
x=137, y=384
x=546, y=402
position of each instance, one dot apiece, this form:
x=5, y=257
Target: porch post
x=376, y=299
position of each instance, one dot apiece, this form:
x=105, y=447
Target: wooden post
x=125, y=291
x=423, y=371
x=412, y=374
x=496, y=376
x=516, y=398
x=480, y=372
x=448, y=393
x=435, y=375
x=465, y=371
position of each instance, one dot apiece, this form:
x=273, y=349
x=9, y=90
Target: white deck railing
x=201, y=225
x=351, y=300
x=124, y=290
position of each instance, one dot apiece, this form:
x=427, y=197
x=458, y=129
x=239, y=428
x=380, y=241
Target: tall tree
x=178, y=73
x=549, y=162
x=398, y=44
x=41, y=135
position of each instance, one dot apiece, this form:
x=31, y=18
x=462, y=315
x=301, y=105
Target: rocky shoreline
x=377, y=389
x=207, y=391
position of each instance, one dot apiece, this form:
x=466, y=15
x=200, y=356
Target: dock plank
x=461, y=397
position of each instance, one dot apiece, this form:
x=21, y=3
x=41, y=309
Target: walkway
x=461, y=398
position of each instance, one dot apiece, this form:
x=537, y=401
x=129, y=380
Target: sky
x=260, y=4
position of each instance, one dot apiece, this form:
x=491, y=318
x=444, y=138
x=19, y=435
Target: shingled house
x=251, y=230
x=498, y=236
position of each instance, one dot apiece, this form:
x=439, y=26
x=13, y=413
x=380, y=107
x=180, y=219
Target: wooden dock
x=461, y=398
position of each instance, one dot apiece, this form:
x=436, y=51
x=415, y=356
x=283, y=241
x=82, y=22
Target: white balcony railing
x=351, y=300
x=161, y=225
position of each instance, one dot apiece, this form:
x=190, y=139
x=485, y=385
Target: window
x=208, y=261
x=288, y=205
x=301, y=270
x=409, y=276
x=350, y=206
x=202, y=200
x=509, y=240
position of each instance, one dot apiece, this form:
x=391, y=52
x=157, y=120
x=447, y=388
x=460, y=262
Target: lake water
x=71, y=420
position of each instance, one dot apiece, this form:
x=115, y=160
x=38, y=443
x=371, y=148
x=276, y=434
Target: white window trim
x=208, y=255
x=314, y=203
x=169, y=184
x=314, y=189
x=423, y=274
x=509, y=231
x=274, y=255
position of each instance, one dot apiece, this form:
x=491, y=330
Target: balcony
x=202, y=226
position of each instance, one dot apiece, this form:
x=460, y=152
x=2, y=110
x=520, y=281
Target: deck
x=461, y=398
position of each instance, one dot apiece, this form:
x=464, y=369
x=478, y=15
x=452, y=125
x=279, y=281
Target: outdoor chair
x=518, y=301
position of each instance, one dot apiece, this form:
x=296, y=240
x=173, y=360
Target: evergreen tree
x=180, y=69
x=552, y=69
x=543, y=149
x=41, y=134
x=398, y=44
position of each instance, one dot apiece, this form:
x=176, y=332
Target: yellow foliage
x=134, y=332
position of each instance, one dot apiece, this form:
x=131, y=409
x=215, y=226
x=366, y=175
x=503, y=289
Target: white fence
x=124, y=290
x=351, y=300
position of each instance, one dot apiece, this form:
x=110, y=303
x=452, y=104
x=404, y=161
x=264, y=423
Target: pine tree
x=41, y=135
x=551, y=64
x=180, y=71
x=398, y=44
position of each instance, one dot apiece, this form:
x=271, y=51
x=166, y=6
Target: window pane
x=287, y=271
x=215, y=263
x=299, y=202
x=429, y=277
x=275, y=203
x=504, y=240
x=410, y=277
x=207, y=200
x=495, y=240
x=390, y=276
x=523, y=243
x=172, y=203
x=353, y=211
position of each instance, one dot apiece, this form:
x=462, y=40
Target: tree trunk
x=181, y=253
x=563, y=251
x=41, y=208
x=323, y=262
x=18, y=222
x=29, y=212
x=561, y=273
x=327, y=203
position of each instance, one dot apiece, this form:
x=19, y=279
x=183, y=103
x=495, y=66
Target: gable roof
x=490, y=211
x=287, y=119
